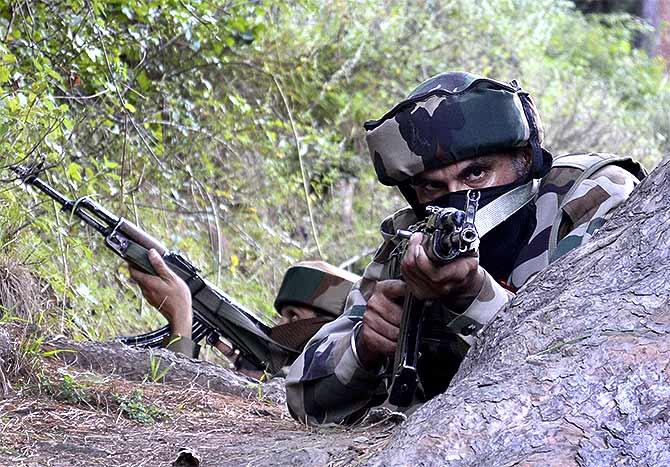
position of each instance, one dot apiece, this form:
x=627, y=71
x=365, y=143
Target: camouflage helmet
x=451, y=117
x=316, y=284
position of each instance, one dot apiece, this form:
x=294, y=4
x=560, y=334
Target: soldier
x=312, y=293
x=455, y=132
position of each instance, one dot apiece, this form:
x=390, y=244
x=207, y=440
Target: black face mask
x=499, y=248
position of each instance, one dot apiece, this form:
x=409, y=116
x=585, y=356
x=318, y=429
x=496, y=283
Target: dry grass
x=21, y=293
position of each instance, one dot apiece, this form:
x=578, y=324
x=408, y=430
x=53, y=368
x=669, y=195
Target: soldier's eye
x=475, y=173
x=428, y=185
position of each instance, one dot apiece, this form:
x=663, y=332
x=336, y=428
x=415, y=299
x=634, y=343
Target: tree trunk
x=345, y=189
x=575, y=371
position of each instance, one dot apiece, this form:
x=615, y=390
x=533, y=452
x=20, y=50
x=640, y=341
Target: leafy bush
x=233, y=130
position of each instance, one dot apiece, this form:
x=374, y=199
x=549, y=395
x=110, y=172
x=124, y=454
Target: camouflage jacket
x=327, y=384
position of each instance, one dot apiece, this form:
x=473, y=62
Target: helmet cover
x=316, y=284
x=451, y=117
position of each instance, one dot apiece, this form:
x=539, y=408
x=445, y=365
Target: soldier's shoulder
x=569, y=169
x=614, y=175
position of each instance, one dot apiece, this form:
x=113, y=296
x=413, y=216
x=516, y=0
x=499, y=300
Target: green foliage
x=177, y=115
x=70, y=390
x=156, y=372
x=133, y=407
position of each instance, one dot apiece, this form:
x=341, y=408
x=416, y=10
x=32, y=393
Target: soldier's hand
x=381, y=323
x=167, y=293
x=458, y=281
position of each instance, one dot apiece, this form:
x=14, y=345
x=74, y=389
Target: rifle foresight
x=451, y=232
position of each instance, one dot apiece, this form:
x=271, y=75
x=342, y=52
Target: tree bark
x=346, y=188
x=575, y=370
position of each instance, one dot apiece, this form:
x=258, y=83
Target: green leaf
x=129, y=107
x=74, y=171
x=4, y=74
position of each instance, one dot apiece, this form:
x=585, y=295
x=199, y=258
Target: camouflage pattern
x=451, y=117
x=327, y=383
x=316, y=284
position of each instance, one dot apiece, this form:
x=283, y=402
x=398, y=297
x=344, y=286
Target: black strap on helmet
x=541, y=159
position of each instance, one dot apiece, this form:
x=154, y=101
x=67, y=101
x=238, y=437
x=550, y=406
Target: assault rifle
x=448, y=234
x=215, y=314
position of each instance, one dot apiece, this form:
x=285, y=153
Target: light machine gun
x=448, y=234
x=215, y=314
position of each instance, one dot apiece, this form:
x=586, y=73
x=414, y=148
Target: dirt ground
x=87, y=419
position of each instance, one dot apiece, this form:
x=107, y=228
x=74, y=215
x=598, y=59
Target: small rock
x=186, y=457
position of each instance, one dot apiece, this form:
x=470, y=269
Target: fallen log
x=159, y=365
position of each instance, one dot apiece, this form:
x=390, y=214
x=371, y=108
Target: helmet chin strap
x=504, y=206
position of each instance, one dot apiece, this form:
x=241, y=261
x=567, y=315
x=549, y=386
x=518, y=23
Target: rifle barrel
x=86, y=209
x=28, y=177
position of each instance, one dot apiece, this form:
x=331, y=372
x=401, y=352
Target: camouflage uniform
x=327, y=383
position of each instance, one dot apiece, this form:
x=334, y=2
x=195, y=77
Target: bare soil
x=90, y=422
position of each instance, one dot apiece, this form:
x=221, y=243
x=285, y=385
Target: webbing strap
x=501, y=208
